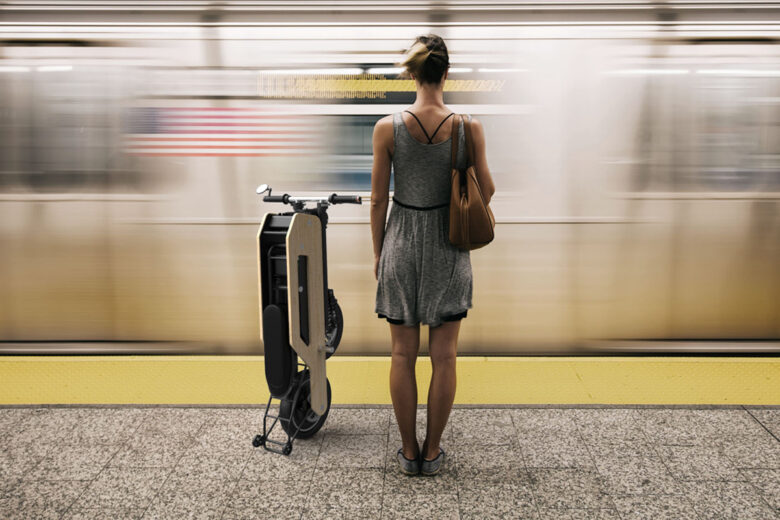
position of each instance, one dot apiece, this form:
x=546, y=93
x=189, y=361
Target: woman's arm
x=480, y=160
x=380, y=183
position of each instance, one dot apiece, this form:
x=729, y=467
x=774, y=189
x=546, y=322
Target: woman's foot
x=408, y=466
x=413, y=456
x=424, y=452
x=433, y=466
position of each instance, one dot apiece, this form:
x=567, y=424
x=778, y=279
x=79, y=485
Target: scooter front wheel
x=300, y=412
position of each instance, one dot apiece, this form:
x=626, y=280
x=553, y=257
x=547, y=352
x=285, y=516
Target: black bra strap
x=421, y=125
x=437, y=128
x=430, y=138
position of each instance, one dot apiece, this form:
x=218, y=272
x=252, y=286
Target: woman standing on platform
x=421, y=276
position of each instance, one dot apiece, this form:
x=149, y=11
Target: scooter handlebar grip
x=345, y=199
x=276, y=198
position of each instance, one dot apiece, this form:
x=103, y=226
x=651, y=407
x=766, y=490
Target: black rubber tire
x=336, y=334
x=308, y=428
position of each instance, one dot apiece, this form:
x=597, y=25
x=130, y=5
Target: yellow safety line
x=365, y=380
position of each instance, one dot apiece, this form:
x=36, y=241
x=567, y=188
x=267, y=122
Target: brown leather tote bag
x=472, y=223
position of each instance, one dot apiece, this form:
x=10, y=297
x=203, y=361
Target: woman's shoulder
x=384, y=126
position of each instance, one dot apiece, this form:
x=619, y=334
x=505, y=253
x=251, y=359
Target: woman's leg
x=443, y=341
x=403, y=384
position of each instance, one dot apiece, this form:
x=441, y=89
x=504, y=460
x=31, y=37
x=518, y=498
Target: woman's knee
x=405, y=353
x=443, y=359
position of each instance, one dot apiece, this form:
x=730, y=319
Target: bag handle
x=469, y=141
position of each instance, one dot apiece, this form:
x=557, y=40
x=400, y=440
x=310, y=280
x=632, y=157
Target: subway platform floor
x=541, y=462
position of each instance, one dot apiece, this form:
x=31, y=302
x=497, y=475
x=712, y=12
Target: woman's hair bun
x=427, y=59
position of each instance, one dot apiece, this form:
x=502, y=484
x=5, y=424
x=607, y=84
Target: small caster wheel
x=258, y=441
x=287, y=448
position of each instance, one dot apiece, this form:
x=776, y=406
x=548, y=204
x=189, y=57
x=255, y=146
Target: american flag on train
x=217, y=132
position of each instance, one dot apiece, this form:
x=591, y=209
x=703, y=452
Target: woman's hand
x=376, y=268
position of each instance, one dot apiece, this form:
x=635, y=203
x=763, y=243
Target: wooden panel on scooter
x=304, y=237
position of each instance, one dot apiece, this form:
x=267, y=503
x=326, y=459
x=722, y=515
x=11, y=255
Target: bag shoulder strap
x=469, y=140
x=455, y=141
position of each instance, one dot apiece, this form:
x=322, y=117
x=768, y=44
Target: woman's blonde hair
x=427, y=59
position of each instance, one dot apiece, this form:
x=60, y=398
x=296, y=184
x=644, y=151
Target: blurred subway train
x=635, y=148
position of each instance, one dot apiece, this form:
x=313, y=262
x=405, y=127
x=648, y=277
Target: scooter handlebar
x=276, y=198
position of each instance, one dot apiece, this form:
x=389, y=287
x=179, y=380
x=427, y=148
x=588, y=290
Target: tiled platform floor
x=545, y=462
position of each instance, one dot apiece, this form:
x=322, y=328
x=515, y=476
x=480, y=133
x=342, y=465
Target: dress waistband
x=425, y=208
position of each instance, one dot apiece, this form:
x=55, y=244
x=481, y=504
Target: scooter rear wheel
x=299, y=412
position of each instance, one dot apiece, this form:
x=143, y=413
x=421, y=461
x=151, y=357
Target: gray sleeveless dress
x=422, y=277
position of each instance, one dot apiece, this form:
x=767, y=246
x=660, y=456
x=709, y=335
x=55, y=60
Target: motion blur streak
x=635, y=148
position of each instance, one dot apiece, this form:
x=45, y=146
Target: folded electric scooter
x=299, y=315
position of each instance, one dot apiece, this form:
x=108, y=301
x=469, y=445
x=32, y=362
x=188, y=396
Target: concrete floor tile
x=471, y=459
x=283, y=506
x=769, y=418
x=629, y=474
x=346, y=503
x=117, y=488
x=498, y=502
x=223, y=442
x=41, y=499
x=420, y=506
x=556, y=451
x=699, y=462
x=724, y=423
x=722, y=500
x=654, y=507
x=206, y=501
x=535, y=423
x=43, y=428
x=767, y=482
x=357, y=421
x=692, y=426
x=579, y=514
x=70, y=462
x=257, y=489
x=568, y=488
x=489, y=426
x=624, y=448
x=489, y=480
x=104, y=426
x=210, y=464
x=172, y=422
x=761, y=451
x=352, y=451
x=10, y=417
x=263, y=474
x=599, y=425
x=200, y=487
x=368, y=481
x=150, y=451
x=16, y=462
x=670, y=426
x=118, y=513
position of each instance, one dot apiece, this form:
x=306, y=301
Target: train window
x=60, y=131
x=705, y=123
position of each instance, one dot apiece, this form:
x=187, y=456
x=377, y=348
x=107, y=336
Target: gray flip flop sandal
x=409, y=467
x=432, y=467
